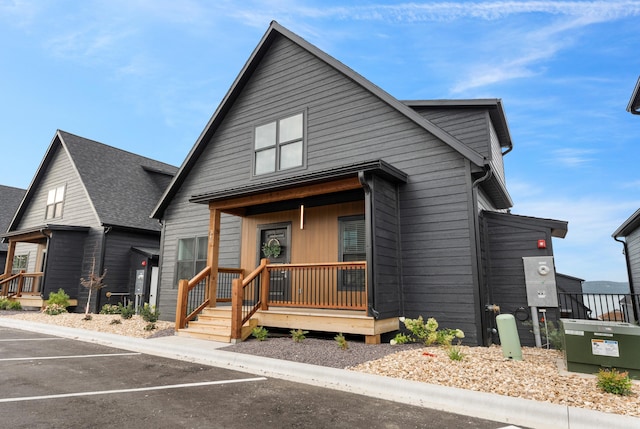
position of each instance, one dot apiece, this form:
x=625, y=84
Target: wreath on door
x=272, y=248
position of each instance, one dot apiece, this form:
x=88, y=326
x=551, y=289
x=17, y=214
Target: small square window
x=279, y=145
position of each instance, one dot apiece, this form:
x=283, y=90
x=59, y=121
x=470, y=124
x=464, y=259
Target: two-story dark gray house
x=313, y=199
x=86, y=208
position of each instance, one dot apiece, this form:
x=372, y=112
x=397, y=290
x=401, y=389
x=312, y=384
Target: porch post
x=213, y=251
x=8, y=266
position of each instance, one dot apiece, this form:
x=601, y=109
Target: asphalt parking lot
x=54, y=382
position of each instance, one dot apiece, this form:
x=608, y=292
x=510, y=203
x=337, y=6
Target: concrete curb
x=514, y=411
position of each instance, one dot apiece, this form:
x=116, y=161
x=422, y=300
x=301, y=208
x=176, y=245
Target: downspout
x=107, y=230
x=44, y=262
x=369, y=243
x=478, y=250
x=625, y=251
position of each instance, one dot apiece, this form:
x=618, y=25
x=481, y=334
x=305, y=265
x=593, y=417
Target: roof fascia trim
x=628, y=226
x=634, y=103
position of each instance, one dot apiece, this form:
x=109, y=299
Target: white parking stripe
x=7, y=340
x=68, y=357
x=140, y=389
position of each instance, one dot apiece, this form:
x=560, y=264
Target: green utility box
x=593, y=344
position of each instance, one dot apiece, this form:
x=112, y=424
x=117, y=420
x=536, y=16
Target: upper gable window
x=55, y=200
x=279, y=145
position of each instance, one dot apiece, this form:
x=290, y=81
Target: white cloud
x=571, y=157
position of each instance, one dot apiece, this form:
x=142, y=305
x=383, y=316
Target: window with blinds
x=352, y=248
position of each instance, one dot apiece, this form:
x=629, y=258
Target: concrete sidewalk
x=513, y=411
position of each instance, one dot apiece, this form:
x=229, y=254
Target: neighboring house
x=87, y=208
x=9, y=201
x=634, y=103
x=367, y=208
x=629, y=235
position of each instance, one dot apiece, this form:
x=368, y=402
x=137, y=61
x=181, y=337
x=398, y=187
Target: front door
x=275, y=245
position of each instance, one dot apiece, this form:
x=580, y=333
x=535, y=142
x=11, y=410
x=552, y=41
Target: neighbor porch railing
x=600, y=306
x=193, y=295
x=17, y=284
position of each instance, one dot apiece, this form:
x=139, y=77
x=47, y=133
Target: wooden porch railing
x=193, y=295
x=17, y=284
x=337, y=285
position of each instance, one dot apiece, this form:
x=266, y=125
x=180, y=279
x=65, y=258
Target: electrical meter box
x=139, y=285
x=593, y=344
x=540, y=280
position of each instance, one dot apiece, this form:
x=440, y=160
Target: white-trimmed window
x=279, y=145
x=192, y=257
x=55, y=201
x=20, y=263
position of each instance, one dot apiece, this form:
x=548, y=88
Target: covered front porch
x=307, y=261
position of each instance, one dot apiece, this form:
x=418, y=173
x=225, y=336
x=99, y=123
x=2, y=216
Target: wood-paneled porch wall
x=317, y=242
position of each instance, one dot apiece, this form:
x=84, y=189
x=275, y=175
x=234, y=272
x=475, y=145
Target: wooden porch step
x=214, y=324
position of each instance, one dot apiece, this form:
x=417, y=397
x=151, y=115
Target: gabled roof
x=634, y=102
x=10, y=199
x=276, y=30
x=628, y=226
x=122, y=187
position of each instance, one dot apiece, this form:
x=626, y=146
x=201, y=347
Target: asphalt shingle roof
x=123, y=187
x=10, y=199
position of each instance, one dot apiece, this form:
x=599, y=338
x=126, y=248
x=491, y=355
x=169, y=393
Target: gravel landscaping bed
x=539, y=376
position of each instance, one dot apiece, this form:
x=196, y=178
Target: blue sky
x=146, y=75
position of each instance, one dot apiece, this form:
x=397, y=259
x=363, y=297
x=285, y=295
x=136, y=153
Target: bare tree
x=93, y=282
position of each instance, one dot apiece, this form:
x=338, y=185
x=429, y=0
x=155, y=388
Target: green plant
x=550, y=335
x=4, y=303
x=342, y=341
x=426, y=332
x=455, y=353
x=126, y=312
x=14, y=305
x=58, y=298
x=115, y=322
x=612, y=381
x=298, y=335
x=150, y=327
x=149, y=313
x=260, y=333
x=401, y=338
x=53, y=309
x=110, y=309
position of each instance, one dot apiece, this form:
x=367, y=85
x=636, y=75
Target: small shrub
x=126, y=312
x=110, y=309
x=116, y=322
x=149, y=313
x=612, y=381
x=58, y=298
x=4, y=303
x=150, y=327
x=342, y=341
x=14, y=305
x=260, y=333
x=298, y=335
x=455, y=353
x=401, y=338
x=54, y=309
x=427, y=332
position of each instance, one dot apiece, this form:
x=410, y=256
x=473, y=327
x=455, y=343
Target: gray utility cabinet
x=540, y=281
x=593, y=344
